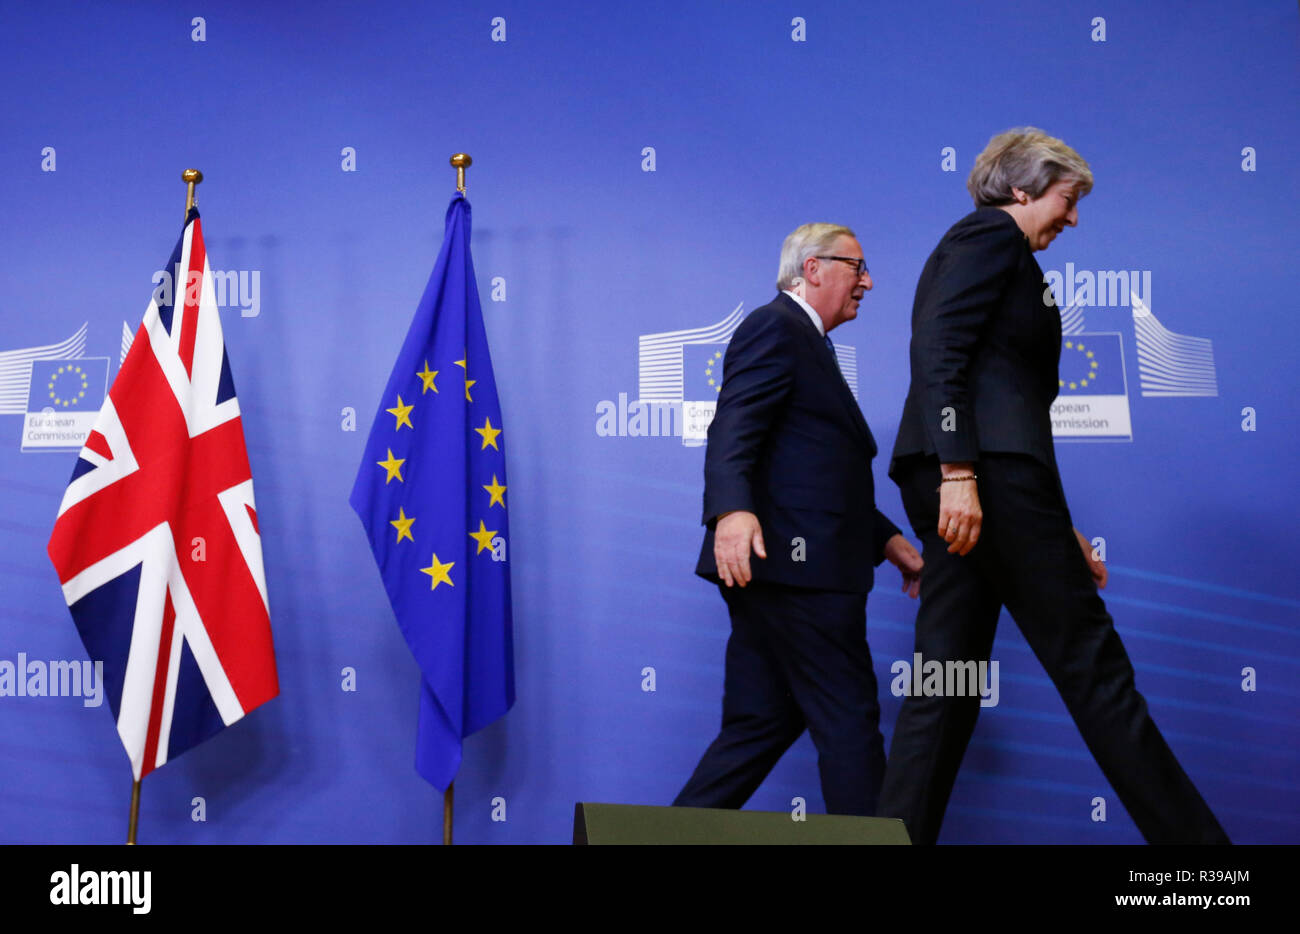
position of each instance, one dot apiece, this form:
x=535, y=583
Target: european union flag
x=702, y=371
x=430, y=492
x=1092, y=365
x=76, y=385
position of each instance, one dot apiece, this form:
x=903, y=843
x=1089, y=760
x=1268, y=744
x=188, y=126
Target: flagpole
x=447, y=797
x=191, y=177
x=460, y=161
x=135, y=813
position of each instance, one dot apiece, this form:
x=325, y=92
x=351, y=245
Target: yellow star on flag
x=394, y=467
x=497, y=491
x=483, y=537
x=438, y=572
x=468, y=382
x=427, y=375
x=403, y=413
x=403, y=525
x=489, y=434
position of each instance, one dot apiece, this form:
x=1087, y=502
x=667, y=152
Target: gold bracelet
x=958, y=479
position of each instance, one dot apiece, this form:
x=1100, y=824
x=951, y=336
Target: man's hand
x=900, y=553
x=960, y=515
x=733, y=536
x=1095, y=564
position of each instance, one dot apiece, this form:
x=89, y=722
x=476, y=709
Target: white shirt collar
x=812, y=313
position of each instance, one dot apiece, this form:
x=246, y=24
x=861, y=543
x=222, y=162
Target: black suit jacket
x=789, y=444
x=985, y=348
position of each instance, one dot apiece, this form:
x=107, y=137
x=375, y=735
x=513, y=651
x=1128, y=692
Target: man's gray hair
x=803, y=242
x=1026, y=158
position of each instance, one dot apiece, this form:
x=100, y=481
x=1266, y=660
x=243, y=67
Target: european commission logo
x=1092, y=392
x=679, y=379
x=1092, y=403
x=56, y=389
x=1172, y=364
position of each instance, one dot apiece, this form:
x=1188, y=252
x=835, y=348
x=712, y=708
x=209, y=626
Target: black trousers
x=1028, y=560
x=796, y=658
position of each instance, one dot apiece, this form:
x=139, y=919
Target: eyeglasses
x=857, y=263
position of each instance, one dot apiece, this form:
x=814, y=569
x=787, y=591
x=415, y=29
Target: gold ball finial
x=190, y=177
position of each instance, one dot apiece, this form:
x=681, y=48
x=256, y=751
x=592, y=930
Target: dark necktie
x=834, y=356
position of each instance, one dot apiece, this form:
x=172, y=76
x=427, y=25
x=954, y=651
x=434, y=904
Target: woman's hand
x=1096, y=566
x=960, y=515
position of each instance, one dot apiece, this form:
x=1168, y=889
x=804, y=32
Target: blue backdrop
x=635, y=170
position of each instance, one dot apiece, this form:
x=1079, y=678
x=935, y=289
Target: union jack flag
x=156, y=543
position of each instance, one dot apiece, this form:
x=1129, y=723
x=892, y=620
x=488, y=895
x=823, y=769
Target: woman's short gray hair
x=1028, y=159
x=803, y=242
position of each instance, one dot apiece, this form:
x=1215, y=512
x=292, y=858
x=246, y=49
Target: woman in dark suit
x=977, y=470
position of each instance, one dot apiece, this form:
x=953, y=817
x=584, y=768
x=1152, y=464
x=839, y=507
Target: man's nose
x=866, y=280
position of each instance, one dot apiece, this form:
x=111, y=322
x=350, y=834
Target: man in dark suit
x=788, y=467
x=976, y=466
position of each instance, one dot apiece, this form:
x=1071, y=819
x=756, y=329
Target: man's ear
x=811, y=268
